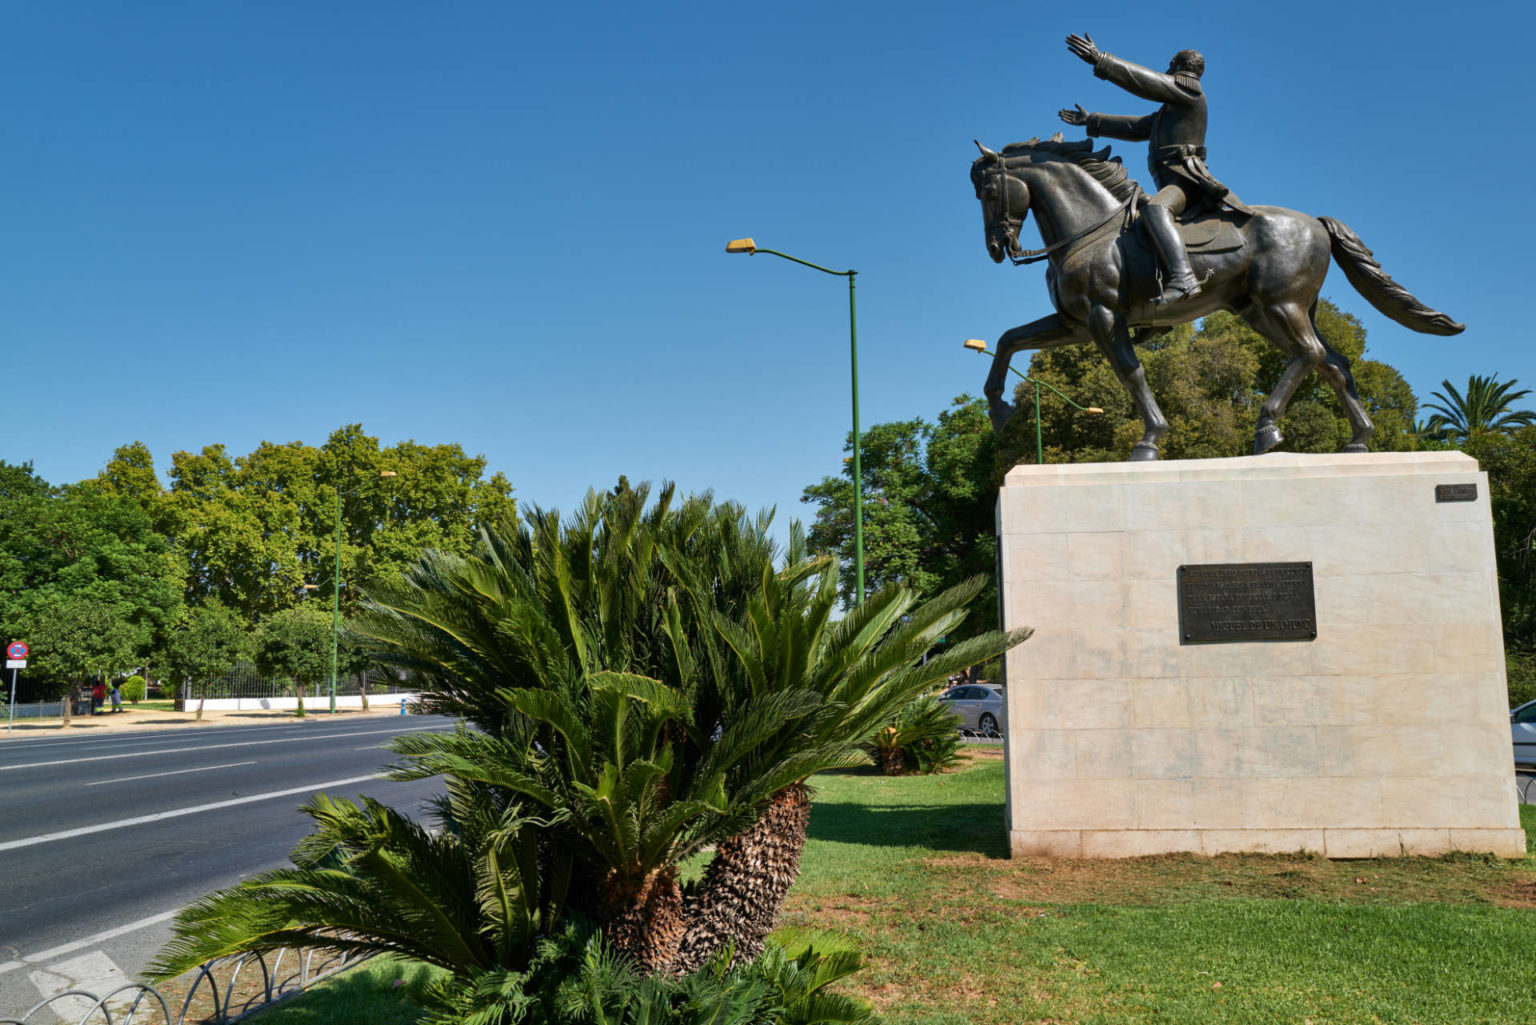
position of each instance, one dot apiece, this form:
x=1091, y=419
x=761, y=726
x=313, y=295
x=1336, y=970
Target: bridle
x=1013, y=225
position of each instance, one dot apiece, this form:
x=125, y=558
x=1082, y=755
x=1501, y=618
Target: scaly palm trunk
x=743, y=888
x=644, y=920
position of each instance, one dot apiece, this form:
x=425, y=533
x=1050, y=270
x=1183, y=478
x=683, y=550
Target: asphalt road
x=103, y=838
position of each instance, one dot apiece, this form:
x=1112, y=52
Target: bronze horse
x=1268, y=268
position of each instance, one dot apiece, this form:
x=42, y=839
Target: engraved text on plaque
x=1247, y=601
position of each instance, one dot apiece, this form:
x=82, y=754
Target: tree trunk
x=645, y=921
x=69, y=703
x=738, y=899
x=362, y=688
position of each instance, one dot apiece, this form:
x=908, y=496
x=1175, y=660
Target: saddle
x=1210, y=232
x=1213, y=233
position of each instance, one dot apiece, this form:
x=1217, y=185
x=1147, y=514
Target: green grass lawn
x=383, y=991
x=917, y=869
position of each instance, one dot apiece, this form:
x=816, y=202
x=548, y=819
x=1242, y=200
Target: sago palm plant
x=857, y=673
x=643, y=682
x=472, y=896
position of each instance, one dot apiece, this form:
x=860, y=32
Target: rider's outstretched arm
x=1144, y=82
x=1120, y=126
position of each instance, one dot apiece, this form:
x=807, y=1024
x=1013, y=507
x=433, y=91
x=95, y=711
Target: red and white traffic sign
x=17, y=649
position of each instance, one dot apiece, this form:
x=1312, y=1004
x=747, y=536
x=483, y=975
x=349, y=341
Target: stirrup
x=1179, y=292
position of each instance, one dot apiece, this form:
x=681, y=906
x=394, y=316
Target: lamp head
x=741, y=245
x=976, y=345
x=388, y=473
x=1094, y=410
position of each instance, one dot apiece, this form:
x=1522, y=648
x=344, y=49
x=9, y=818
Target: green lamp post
x=336, y=590
x=746, y=245
x=977, y=345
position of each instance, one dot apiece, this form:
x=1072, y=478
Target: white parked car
x=979, y=706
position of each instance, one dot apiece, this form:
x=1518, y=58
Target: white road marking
x=11, y=845
x=173, y=772
x=89, y=941
x=94, y=973
x=215, y=747
x=146, y=735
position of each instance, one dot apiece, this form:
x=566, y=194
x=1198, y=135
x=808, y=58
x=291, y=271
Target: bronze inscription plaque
x=1247, y=601
x=1455, y=492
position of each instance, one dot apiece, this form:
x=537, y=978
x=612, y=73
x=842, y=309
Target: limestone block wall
x=1388, y=734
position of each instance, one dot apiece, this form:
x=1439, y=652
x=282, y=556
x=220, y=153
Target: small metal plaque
x=1247, y=601
x=1455, y=492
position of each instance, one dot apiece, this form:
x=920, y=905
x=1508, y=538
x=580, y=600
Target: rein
x=1122, y=212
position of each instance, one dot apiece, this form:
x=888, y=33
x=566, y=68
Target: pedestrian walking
x=117, y=697
x=98, y=697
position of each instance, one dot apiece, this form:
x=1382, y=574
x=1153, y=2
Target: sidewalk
x=134, y=720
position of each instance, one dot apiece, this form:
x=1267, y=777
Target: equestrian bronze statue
x=1125, y=266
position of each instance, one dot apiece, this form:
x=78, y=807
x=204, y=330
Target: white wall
x=323, y=702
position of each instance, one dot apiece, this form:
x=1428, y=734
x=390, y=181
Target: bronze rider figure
x=1175, y=134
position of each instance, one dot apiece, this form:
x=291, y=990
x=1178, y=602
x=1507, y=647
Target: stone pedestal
x=1387, y=734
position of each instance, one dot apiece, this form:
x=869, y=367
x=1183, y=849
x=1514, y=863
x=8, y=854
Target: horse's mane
x=1103, y=168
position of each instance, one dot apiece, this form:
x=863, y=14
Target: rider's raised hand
x=1082, y=45
x=1073, y=117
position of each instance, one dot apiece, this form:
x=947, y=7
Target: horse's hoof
x=1143, y=452
x=1000, y=413
x=1267, y=438
x=1356, y=448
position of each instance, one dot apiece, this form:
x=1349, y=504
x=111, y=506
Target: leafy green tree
x=259, y=527
x=1509, y=458
x=929, y=495
x=210, y=642
x=81, y=638
x=131, y=473
x=296, y=643
x=19, y=480
x=1485, y=409
x=63, y=547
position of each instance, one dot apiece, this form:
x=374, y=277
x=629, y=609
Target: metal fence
x=48, y=709
x=220, y=992
x=245, y=682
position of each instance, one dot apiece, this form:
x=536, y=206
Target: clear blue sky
x=503, y=224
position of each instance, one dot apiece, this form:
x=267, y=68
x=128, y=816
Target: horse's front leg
x=1045, y=333
x=1110, y=333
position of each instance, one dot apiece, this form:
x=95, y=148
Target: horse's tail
x=1393, y=300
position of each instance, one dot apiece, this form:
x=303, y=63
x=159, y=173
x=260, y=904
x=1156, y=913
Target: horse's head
x=1004, y=203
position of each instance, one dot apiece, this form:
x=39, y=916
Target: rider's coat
x=1175, y=132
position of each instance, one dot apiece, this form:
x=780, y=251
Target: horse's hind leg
x=1335, y=370
x=1289, y=327
x=1113, y=338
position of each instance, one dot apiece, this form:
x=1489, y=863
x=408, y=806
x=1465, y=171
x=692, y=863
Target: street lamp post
x=336, y=591
x=977, y=345
x=748, y=246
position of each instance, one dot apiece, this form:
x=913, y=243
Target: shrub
x=133, y=689
x=576, y=978
x=924, y=739
x=1521, y=670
